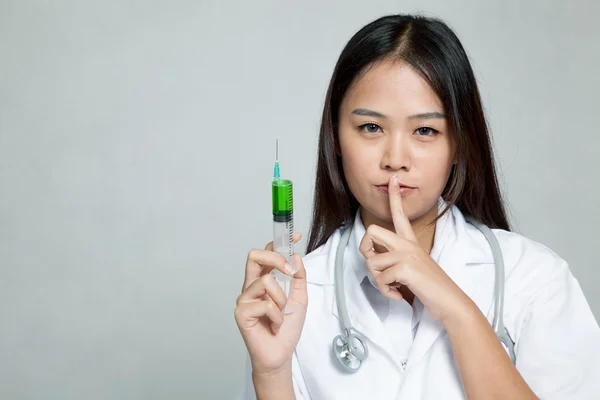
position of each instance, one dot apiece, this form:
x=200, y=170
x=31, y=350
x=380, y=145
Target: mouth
x=404, y=189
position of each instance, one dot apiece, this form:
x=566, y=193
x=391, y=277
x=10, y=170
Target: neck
x=422, y=226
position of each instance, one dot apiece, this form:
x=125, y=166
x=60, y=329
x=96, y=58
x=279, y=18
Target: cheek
x=353, y=172
x=435, y=167
x=354, y=160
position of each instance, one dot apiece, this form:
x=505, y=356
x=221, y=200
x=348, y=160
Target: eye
x=370, y=128
x=426, y=131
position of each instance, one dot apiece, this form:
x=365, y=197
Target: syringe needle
x=276, y=173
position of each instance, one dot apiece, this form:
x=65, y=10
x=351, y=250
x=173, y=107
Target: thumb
x=301, y=274
x=298, y=290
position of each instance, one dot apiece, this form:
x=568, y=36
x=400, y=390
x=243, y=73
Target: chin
x=380, y=212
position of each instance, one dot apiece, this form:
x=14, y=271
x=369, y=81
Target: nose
x=397, y=153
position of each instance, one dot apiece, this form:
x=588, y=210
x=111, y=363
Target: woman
x=405, y=162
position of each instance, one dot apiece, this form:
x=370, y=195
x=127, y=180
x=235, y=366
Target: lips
x=403, y=188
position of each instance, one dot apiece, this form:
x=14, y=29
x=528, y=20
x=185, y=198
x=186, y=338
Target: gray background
x=136, y=147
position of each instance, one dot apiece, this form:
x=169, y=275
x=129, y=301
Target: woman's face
x=392, y=123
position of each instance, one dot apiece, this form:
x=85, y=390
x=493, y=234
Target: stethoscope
x=350, y=347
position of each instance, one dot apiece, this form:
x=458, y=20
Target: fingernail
x=288, y=309
x=290, y=270
x=395, y=180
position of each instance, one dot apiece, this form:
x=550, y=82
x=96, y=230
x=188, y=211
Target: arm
x=558, y=351
x=558, y=346
x=485, y=368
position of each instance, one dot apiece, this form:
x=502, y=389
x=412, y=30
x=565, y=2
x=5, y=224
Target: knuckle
x=242, y=297
x=412, y=258
x=267, y=279
x=252, y=254
x=405, y=268
x=370, y=264
x=237, y=313
x=412, y=245
x=272, y=307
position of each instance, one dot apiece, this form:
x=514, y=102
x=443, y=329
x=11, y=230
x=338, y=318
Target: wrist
x=464, y=311
x=277, y=382
x=274, y=374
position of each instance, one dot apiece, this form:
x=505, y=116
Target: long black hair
x=430, y=47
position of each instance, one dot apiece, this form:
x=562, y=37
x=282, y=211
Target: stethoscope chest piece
x=351, y=350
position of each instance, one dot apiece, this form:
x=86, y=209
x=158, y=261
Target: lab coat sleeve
x=300, y=390
x=558, y=346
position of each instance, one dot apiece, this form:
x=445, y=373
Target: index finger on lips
x=401, y=222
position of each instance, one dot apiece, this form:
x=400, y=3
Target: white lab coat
x=546, y=314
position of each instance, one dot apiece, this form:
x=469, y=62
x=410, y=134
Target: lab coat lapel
x=428, y=331
x=362, y=316
x=455, y=260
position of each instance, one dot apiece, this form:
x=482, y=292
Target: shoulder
x=528, y=265
x=521, y=255
x=533, y=272
x=524, y=257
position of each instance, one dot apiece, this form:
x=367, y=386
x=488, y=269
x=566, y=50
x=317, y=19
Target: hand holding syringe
x=283, y=225
x=270, y=334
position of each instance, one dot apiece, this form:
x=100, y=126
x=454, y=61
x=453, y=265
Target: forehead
x=392, y=88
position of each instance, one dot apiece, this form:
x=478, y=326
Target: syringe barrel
x=283, y=239
x=283, y=219
x=283, y=197
x=283, y=243
x=283, y=231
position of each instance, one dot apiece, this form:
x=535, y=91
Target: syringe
x=283, y=226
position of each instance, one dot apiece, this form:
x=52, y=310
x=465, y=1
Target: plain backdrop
x=136, y=151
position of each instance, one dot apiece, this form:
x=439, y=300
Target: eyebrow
x=368, y=113
x=428, y=115
x=371, y=113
